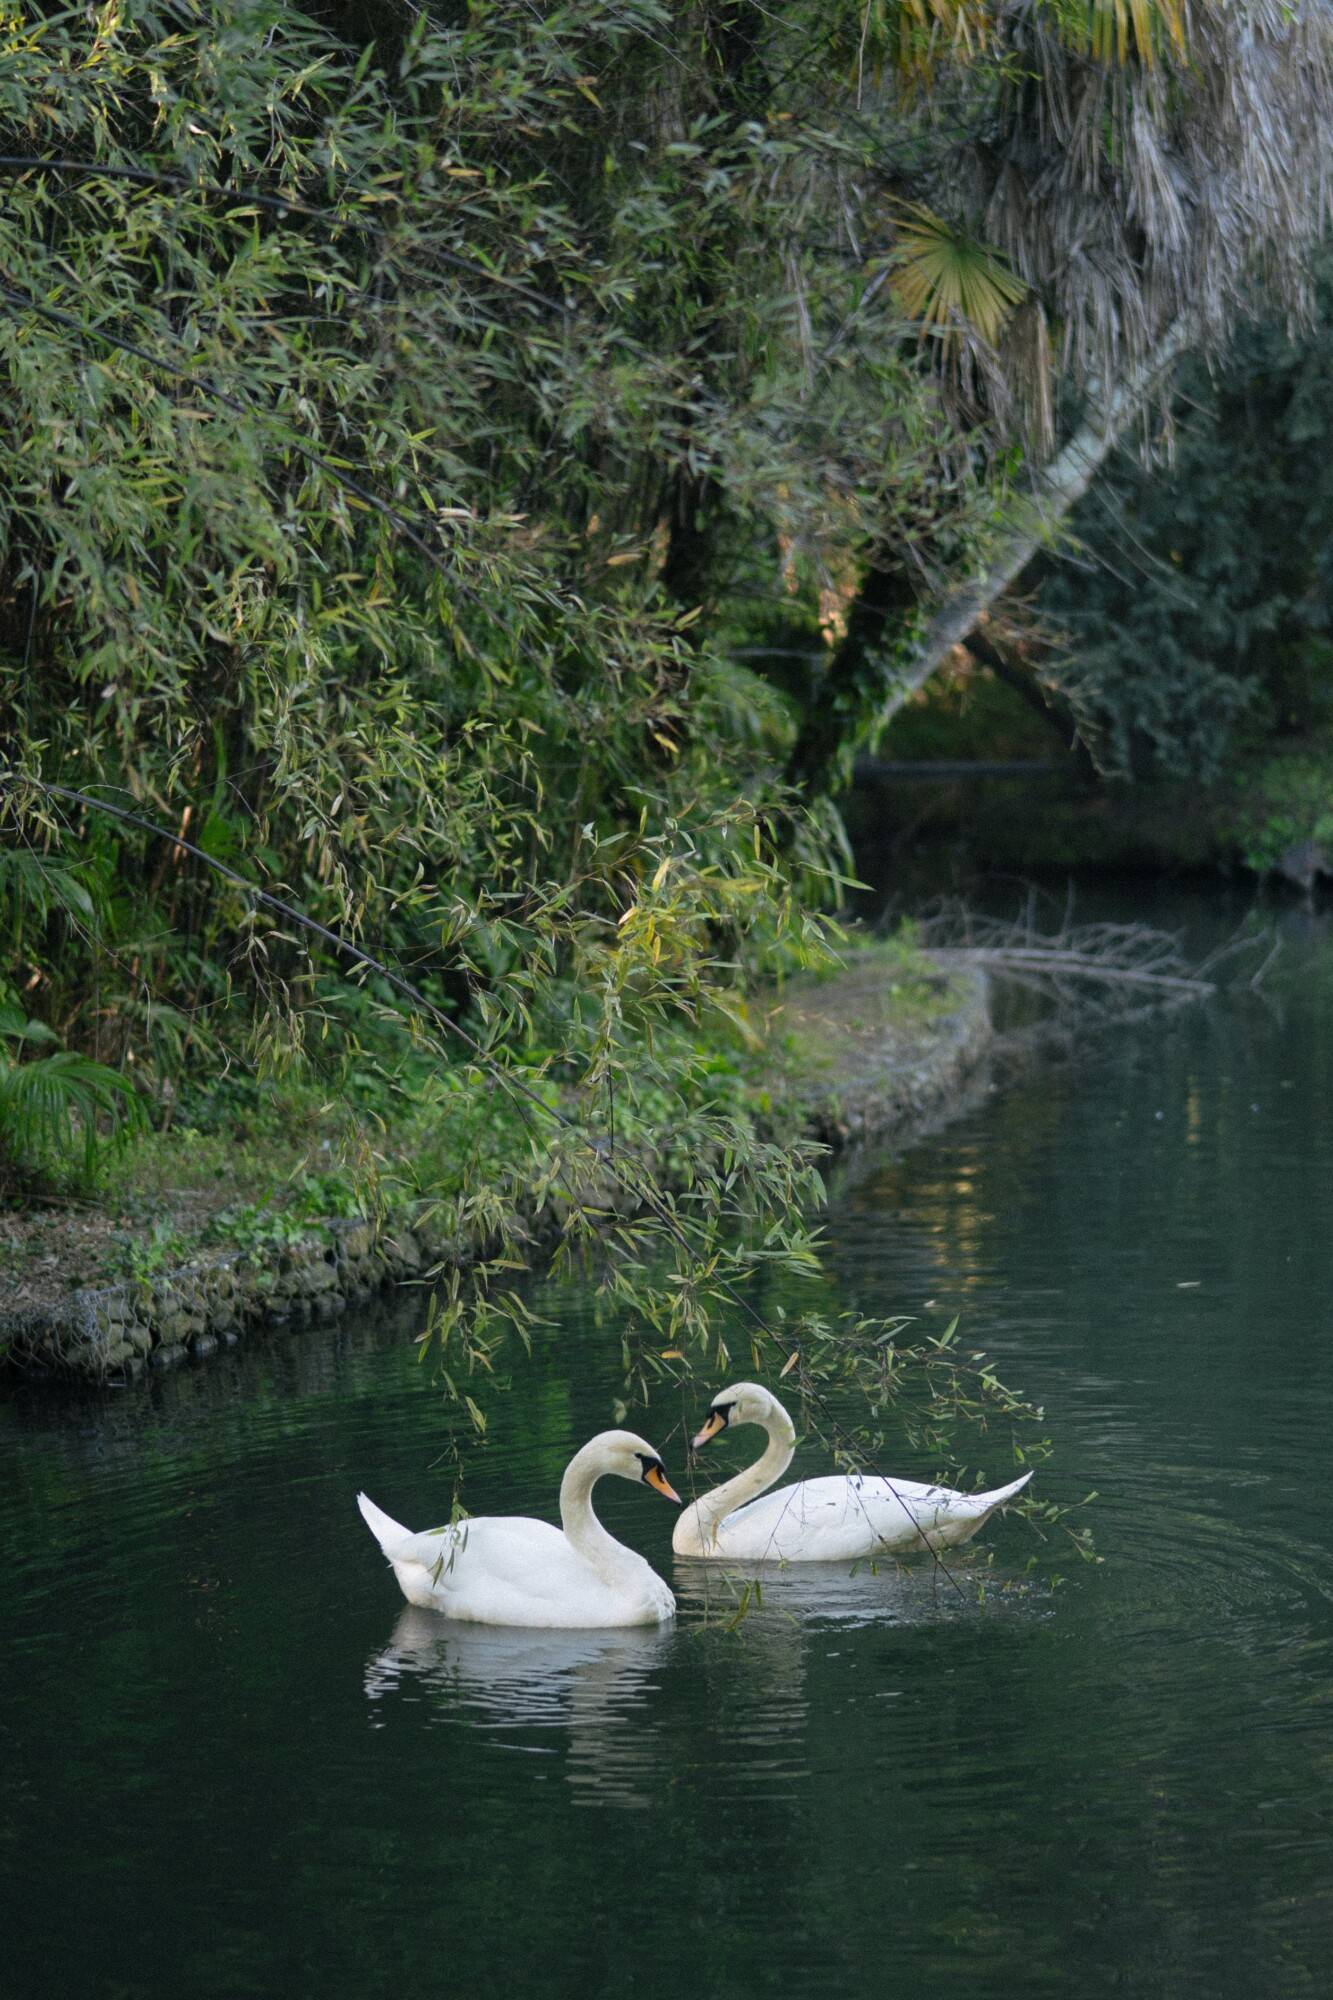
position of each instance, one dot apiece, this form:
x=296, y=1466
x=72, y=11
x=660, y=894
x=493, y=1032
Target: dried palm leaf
x=1105, y=29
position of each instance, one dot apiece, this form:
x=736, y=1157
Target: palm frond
x=16, y=1023
x=914, y=36
x=942, y=275
x=1107, y=30
x=40, y=883
x=911, y=38
x=964, y=25
x=60, y=1103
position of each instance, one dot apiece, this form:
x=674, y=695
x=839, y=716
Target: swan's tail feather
x=979, y=1507
x=388, y=1533
x=999, y=1494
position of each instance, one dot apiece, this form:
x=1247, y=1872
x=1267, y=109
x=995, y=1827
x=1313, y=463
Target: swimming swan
x=818, y=1520
x=509, y=1570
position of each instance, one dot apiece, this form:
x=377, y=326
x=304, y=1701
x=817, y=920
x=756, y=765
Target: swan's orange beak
x=715, y=1422
x=657, y=1479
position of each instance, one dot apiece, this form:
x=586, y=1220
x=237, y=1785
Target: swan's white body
x=819, y=1520
x=511, y=1570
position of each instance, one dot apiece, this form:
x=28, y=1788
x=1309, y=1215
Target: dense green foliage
x=361, y=415
x=1198, y=613
x=337, y=503
x=402, y=446
x=324, y=533
x=55, y=1103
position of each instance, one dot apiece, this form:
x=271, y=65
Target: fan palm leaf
x=1109, y=29
x=917, y=34
x=925, y=27
x=945, y=277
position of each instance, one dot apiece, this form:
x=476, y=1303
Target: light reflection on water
x=589, y=1698
x=808, y=1598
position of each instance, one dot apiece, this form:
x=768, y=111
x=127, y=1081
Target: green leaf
x=942, y=275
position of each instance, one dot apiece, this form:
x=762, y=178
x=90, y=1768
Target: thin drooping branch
x=23, y=302
x=1046, y=706
x=283, y=206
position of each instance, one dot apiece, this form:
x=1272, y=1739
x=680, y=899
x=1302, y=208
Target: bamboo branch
x=23, y=301
x=280, y=205
x=638, y=1184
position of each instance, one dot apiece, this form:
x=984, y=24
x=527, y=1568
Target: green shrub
x=1283, y=806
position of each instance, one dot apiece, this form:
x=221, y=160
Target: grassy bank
x=247, y=1169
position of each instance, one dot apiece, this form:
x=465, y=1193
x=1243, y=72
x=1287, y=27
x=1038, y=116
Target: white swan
x=818, y=1520
x=509, y=1570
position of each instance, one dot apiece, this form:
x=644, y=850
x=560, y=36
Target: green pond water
x=235, y=1764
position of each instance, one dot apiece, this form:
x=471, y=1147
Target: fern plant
x=59, y=1107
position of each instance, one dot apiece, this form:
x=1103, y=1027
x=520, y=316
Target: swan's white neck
x=610, y=1558
x=722, y=1500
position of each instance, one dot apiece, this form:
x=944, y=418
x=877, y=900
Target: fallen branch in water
x=1079, y=971
x=1052, y=961
x=1103, y=955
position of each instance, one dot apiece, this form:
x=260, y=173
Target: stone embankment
x=116, y=1332
x=871, y=1070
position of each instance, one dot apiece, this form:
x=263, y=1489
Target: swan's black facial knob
x=654, y=1475
x=714, y=1424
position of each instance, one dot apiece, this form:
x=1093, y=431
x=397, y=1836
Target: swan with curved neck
x=818, y=1520
x=512, y=1570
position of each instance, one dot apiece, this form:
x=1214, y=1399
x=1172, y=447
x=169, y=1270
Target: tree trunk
x=1065, y=480
x=686, y=567
x=885, y=598
x=861, y=683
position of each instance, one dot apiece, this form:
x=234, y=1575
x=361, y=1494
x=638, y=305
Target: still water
x=235, y=1764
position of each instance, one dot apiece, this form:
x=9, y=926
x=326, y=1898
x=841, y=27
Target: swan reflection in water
x=806, y=1598
x=590, y=1698
x=591, y=1688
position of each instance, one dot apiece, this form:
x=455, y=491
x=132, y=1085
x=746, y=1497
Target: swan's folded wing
x=520, y=1572
x=795, y=1519
x=434, y=1549
x=836, y=1517
x=932, y=1511
x=977, y=1506
x=505, y=1554
x=513, y=1549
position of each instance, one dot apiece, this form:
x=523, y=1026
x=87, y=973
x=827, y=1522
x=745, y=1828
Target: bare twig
x=1080, y=977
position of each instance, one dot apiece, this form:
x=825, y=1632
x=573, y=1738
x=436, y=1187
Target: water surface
x=235, y=1764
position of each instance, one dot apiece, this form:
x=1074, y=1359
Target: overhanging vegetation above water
x=416, y=423
x=198, y=1238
